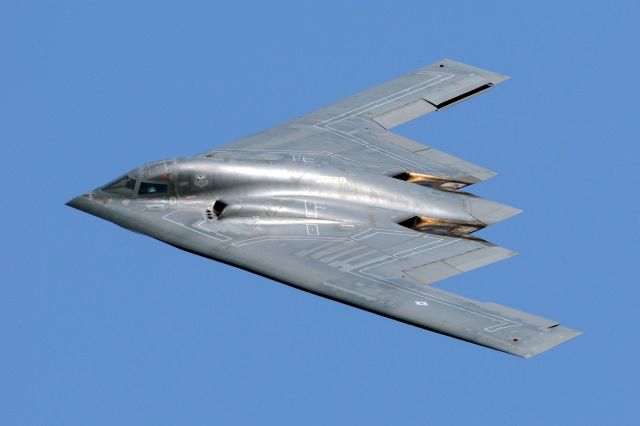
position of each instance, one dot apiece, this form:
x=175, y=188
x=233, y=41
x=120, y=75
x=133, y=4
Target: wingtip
x=547, y=340
x=493, y=77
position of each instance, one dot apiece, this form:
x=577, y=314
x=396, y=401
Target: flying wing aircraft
x=335, y=204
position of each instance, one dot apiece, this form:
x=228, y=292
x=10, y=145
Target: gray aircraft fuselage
x=247, y=190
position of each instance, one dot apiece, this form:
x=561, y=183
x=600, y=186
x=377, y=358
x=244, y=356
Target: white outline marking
x=312, y=229
x=224, y=237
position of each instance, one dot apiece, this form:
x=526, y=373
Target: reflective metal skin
x=335, y=204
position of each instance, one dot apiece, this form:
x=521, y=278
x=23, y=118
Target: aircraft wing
x=385, y=270
x=354, y=132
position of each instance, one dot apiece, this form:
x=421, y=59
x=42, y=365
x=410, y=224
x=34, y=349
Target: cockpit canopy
x=124, y=185
x=127, y=186
x=178, y=178
x=152, y=188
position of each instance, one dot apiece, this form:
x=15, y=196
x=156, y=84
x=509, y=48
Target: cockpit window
x=147, y=188
x=122, y=186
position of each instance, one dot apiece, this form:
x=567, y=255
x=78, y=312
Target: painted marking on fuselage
x=331, y=179
x=312, y=229
x=210, y=233
x=310, y=209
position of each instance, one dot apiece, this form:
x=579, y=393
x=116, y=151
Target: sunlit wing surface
x=335, y=204
x=353, y=132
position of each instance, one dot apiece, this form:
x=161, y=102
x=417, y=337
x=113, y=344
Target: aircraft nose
x=77, y=202
x=80, y=202
x=87, y=203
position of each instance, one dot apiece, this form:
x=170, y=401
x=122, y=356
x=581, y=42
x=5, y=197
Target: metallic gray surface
x=334, y=204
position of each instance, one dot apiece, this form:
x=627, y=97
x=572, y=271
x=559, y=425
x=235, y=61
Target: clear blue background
x=100, y=326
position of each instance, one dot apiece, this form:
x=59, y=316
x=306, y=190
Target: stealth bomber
x=335, y=204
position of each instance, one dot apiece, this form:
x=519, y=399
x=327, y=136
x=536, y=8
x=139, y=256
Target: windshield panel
x=122, y=186
x=150, y=189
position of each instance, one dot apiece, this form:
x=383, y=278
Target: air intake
x=218, y=207
x=440, y=227
x=438, y=182
x=215, y=210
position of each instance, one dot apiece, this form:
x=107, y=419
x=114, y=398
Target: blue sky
x=101, y=326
